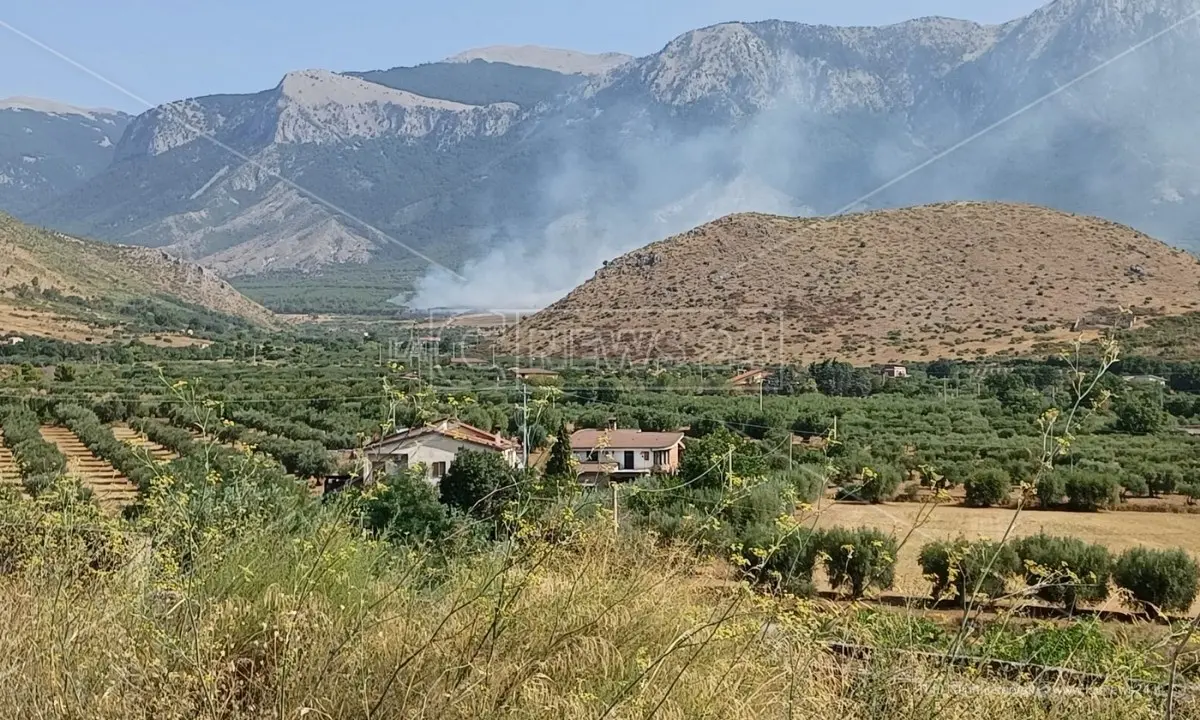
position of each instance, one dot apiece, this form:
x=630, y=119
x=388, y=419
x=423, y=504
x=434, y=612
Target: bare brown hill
x=957, y=279
x=37, y=265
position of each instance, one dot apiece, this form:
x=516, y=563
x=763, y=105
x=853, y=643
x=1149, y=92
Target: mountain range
x=509, y=175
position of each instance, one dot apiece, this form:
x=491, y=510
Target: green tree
x=716, y=459
x=1162, y=579
x=404, y=506
x=1065, y=570
x=479, y=483
x=942, y=368
x=982, y=566
x=987, y=487
x=859, y=559
x=842, y=379
x=562, y=462
x=1138, y=414
x=64, y=373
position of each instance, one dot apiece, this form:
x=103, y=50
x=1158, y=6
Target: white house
x=15, y=340
x=433, y=447
x=894, y=371
x=625, y=454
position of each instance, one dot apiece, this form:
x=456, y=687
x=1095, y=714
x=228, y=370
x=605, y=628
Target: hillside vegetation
x=55, y=285
x=958, y=279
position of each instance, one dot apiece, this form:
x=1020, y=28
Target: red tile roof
x=454, y=429
x=624, y=440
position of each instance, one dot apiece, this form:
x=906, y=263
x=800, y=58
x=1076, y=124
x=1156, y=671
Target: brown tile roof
x=750, y=376
x=454, y=429
x=624, y=440
x=532, y=371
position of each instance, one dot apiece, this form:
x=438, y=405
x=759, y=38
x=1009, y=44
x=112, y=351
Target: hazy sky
x=168, y=50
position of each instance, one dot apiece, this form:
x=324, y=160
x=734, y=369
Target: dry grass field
x=1118, y=531
x=950, y=280
x=112, y=489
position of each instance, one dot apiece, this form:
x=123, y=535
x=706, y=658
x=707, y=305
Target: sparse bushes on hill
x=968, y=567
x=1065, y=570
x=1162, y=579
x=987, y=487
x=859, y=559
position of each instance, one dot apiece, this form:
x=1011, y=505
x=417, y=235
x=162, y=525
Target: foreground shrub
x=1162, y=579
x=1088, y=492
x=1065, y=570
x=859, y=559
x=403, y=507
x=780, y=557
x=987, y=487
x=713, y=519
x=969, y=568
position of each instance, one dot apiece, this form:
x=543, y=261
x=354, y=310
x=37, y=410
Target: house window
x=439, y=469
x=403, y=461
x=378, y=467
x=661, y=457
x=645, y=454
x=594, y=456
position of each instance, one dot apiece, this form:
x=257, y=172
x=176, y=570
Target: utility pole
x=525, y=427
x=616, y=522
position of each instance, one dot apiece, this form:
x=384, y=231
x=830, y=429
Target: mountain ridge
x=907, y=284
x=548, y=167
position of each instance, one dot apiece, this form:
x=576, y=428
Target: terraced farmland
x=140, y=442
x=9, y=473
x=112, y=489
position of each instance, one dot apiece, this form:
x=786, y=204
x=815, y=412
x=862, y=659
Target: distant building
x=527, y=373
x=14, y=340
x=751, y=379
x=624, y=454
x=894, y=371
x=434, y=447
x=468, y=362
x=1146, y=379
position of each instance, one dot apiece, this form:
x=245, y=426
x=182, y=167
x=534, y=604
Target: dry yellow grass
x=272, y=627
x=958, y=279
x=1118, y=531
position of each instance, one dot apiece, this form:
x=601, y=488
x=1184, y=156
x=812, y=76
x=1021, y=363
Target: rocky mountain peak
x=53, y=107
x=569, y=62
x=312, y=89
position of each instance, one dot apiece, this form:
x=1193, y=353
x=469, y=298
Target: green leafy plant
x=1161, y=579
x=1065, y=570
x=859, y=559
x=987, y=487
